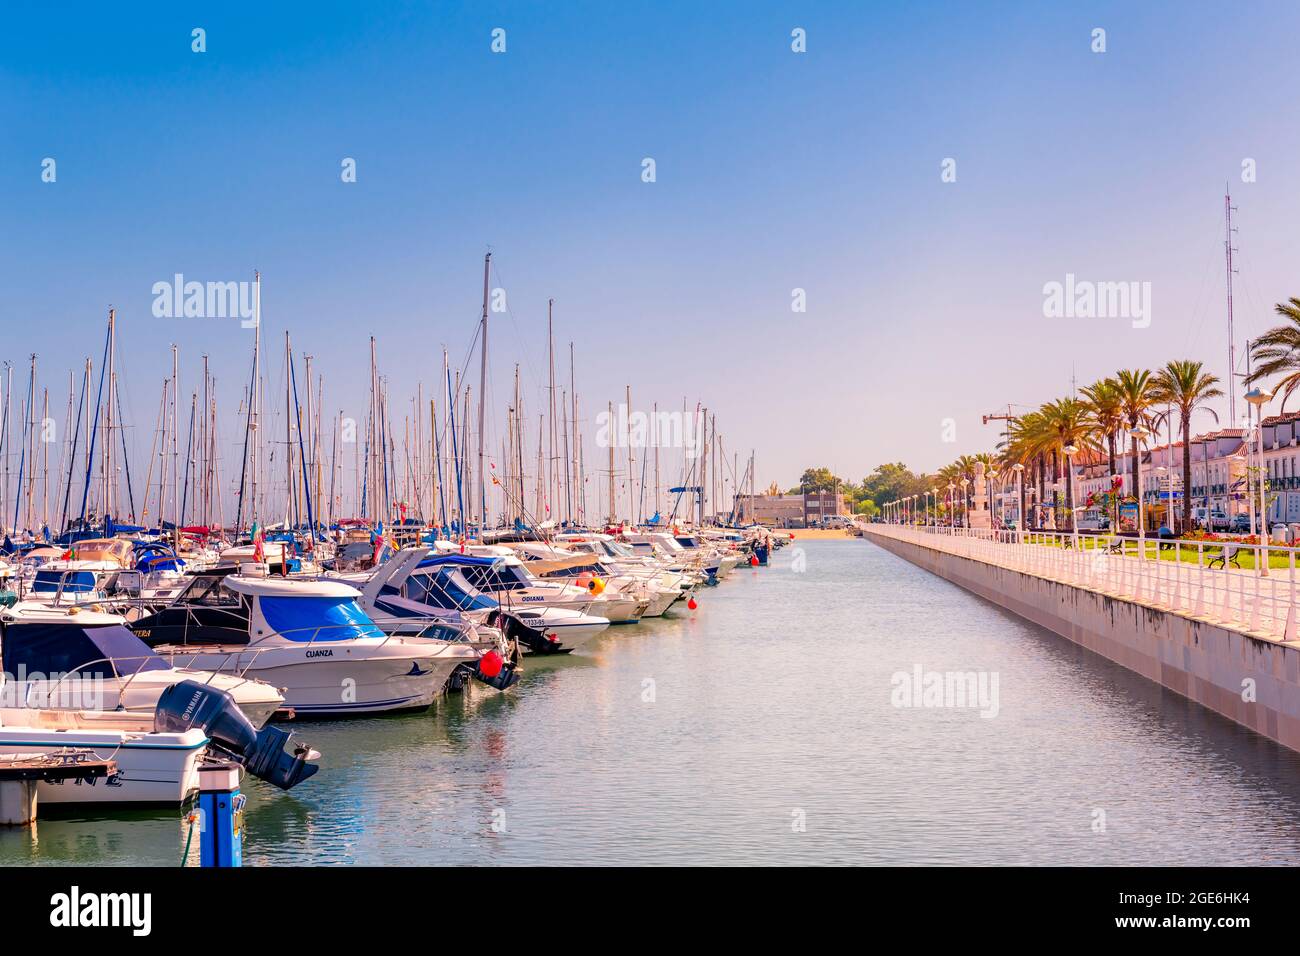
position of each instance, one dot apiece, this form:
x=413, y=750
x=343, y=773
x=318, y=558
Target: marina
x=713, y=771
x=548, y=441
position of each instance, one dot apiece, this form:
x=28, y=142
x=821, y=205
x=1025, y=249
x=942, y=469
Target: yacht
x=536, y=628
x=656, y=590
x=61, y=657
x=678, y=556
x=309, y=637
x=511, y=583
x=458, y=634
x=152, y=767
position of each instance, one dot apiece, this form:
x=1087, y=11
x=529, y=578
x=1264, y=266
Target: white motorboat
x=550, y=562
x=74, y=657
x=510, y=583
x=538, y=628
x=461, y=636
x=308, y=637
x=152, y=767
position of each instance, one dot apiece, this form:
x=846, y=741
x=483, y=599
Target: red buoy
x=490, y=665
x=691, y=604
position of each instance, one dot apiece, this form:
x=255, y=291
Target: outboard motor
x=517, y=633
x=190, y=704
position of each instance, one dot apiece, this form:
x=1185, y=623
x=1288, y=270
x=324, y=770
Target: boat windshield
x=446, y=588
x=74, y=582
x=209, y=590
x=587, y=567
x=317, y=619
x=498, y=577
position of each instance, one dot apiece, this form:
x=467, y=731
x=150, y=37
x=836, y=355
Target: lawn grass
x=1186, y=553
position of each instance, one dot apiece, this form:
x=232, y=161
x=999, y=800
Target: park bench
x=1229, y=555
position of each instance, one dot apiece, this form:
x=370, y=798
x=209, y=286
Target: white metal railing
x=1247, y=587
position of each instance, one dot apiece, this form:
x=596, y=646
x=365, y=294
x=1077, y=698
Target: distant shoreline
x=807, y=533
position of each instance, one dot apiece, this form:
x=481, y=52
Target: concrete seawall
x=1252, y=680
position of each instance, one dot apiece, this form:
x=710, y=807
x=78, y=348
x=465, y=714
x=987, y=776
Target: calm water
x=771, y=704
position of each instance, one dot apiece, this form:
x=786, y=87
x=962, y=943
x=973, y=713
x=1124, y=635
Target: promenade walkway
x=1183, y=577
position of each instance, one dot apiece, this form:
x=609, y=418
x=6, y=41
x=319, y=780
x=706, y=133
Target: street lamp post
x=1162, y=471
x=1259, y=398
x=1070, y=451
x=965, y=506
x=1140, y=435
x=952, y=511
x=1019, y=469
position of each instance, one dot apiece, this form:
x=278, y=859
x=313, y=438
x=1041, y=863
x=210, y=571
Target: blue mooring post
x=221, y=840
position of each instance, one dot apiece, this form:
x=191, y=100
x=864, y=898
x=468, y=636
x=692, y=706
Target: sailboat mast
x=45, y=470
x=631, y=472
x=611, y=468
x=656, y=443
x=482, y=388
x=571, y=442
x=176, y=498
x=106, y=457
x=550, y=357
x=255, y=403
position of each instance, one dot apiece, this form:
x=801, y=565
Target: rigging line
x=72, y=455
x=90, y=454
x=311, y=518
x=126, y=458
x=519, y=336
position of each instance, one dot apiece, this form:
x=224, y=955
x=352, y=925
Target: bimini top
x=303, y=612
x=469, y=560
x=115, y=550
x=60, y=647
x=290, y=587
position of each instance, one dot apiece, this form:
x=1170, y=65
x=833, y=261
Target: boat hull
x=151, y=769
x=337, y=682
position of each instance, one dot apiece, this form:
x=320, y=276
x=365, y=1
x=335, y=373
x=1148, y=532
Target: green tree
x=1277, y=351
x=1137, y=389
x=1187, y=387
x=818, y=479
x=892, y=481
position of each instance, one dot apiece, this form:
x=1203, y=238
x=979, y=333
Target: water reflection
x=760, y=730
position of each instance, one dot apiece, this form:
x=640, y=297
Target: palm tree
x=1277, y=351
x=1184, y=385
x=1105, y=405
x=1028, y=443
x=1137, y=395
x=1067, y=424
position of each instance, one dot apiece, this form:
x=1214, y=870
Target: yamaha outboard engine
x=190, y=704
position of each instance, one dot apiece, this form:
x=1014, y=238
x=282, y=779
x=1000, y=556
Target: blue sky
x=775, y=171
